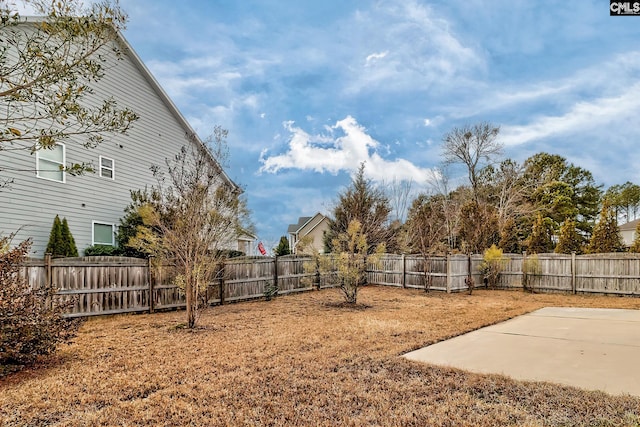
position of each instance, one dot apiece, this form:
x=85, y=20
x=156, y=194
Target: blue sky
x=309, y=89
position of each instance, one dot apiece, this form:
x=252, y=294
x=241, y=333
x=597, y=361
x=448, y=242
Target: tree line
x=544, y=204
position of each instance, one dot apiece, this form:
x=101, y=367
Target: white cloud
x=375, y=56
x=322, y=153
x=583, y=116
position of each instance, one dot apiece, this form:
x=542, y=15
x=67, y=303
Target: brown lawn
x=300, y=360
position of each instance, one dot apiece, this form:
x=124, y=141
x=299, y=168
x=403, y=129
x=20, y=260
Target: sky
x=311, y=89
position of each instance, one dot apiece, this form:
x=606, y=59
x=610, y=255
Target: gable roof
x=629, y=225
x=173, y=109
x=303, y=221
x=294, y=228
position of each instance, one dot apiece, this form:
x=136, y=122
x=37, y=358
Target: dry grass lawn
x=300, y=360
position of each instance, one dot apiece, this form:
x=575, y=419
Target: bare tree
x=398, y=193
x=450, y=204
x=473, y=146
x=192, y=218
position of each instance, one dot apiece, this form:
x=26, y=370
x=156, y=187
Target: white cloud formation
x=606, y=111
x=375, y=56
x=328, y=153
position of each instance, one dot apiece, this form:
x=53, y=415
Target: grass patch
x=301, y=359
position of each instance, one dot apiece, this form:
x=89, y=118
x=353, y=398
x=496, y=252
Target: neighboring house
x=94, y=203
x=628, y=232
x=314, y=226
x=245, y=244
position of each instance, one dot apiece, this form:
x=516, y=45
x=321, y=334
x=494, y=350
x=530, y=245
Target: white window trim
x=113, y=233
x=112, y=168
x=64, y=162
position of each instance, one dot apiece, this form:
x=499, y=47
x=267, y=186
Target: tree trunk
x=191, y=312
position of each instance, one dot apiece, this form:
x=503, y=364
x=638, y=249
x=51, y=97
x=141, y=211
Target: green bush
x=61, y=242
x=31, y=322
x=102, y=250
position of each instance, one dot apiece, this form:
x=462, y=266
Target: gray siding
x=32, y=203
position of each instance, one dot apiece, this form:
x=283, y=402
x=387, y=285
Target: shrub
x=270, y=291
x=31, y=322
x=102, y=250
x=492, y=265
x=531, y=270
x=61, y=242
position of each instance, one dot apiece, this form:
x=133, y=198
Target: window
x=50, y=163
x=107, y=168
x=103, y=234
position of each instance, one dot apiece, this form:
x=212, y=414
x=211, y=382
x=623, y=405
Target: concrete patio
x=595, y=349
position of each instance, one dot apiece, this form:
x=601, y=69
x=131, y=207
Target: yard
x=301, y=359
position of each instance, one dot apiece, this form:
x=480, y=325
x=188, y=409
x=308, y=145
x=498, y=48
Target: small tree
x=606, y=234
x=347, y=265
x=61, y=241
x=492, y=265
x=283, y=247
x=31, y=319
x=569, y=240
x=366, y=203
x=55, y=238
x=68, y=242
x=129, y=223
x=531, y=271
x=191, y=221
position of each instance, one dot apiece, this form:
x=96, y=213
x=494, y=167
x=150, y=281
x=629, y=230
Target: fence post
x=524, y=270
x=221, y=275
x=48, y=278
x=317, y=279
x=449, y=278
x=404, y=271
x=574, y=287
x=150, y=279
x=275, y=272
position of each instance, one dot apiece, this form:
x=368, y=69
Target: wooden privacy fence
x=105, y=285
x=111, y=285
x=614, y=273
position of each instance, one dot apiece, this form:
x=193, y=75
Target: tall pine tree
x=606, y=235
x=539, y=240
x=569, y=240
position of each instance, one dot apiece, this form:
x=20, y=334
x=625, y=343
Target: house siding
x=31, y=203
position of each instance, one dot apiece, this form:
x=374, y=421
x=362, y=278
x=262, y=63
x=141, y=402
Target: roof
x=144, y=71
x=629, y=225
x=294, y=228
x=303, y=221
